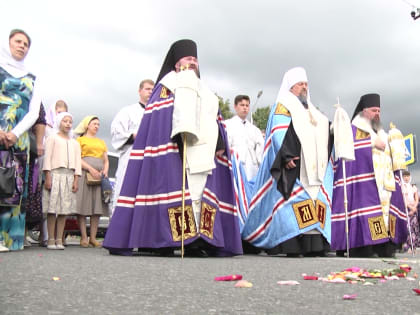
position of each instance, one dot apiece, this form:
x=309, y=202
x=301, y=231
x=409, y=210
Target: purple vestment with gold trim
x=366, y=222
x=148, y=211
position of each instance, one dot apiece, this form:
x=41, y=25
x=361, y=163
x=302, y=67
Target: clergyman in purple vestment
x=376, y=212
x=148, y=212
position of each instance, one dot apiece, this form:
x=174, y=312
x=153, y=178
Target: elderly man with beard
x=289, y=212
x=148, y=215
x=376, y=214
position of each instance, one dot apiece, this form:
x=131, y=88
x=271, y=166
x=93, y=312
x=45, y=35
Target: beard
x=303, y=98
x=194, y=68
x=376, y=124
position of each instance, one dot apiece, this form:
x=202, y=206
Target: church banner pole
x=184, y=162
x=408, y=218
x=341, y=119
x=346, y=208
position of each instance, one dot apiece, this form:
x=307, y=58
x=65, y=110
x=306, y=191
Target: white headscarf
x=290, y=78
x=58, y=120
x=15, y=67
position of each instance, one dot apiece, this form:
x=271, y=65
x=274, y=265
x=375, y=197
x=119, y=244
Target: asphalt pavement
x=90, y=281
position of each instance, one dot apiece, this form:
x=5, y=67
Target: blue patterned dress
x=15, y=96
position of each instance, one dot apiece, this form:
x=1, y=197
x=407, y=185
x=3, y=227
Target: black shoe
x=195, y=252
x=320, y=253
x=164, y=252
x=290, y=255
x=341, y=253
x=250, y=249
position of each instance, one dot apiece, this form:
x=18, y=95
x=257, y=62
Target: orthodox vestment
x=246, y=140
x=148, y=211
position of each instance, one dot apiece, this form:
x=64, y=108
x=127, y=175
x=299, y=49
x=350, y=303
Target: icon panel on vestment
x=175, y=220
x=305, y=213
x=377, y=228
x=164, y=92
x=321, y=212
x=281, y=110
x=392, y=225
x=208, y=214
x=360, y=134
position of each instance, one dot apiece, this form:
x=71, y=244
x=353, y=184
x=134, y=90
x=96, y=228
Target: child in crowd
x=59, y=107
x=62, y=168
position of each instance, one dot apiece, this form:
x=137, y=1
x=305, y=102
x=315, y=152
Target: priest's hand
x=379, y=144
x=291, y=164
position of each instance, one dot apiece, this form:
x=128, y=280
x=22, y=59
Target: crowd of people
x=188, y=179
x=51, y=167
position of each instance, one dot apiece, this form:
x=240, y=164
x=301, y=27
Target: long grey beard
x=303, y=99
x=376, y=125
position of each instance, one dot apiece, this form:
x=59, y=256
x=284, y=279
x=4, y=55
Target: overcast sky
x=93, y=54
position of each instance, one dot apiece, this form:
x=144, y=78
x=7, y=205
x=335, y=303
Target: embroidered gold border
x=360, y=134
x=308, y=216
x=320, y=206
x=392, y=225
x=207, y=216
x=175, y=215
x=281, y=110
x=377, y=228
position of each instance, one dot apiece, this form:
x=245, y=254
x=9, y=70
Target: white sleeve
x=31, y=116
x=229, y=132
x=120, y=132
x=259, y=145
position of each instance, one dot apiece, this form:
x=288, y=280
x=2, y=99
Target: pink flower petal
x=310, y=278
x=349, y=296
x=228, y=278
x=392, y=278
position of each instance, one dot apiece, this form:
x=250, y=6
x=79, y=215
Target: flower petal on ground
x=243, y=284
x=228, y=278
x=288, y=282
x=349, y=296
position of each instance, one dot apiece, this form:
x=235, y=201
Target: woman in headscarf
x=95, y=163
x=19, y=109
